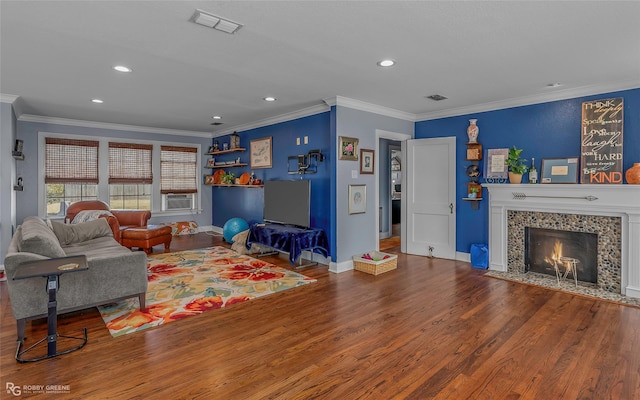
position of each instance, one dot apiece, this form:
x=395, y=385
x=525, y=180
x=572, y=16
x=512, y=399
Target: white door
x=431, y=203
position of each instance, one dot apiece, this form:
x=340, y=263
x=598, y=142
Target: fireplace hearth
x=610, y=211
x=561, y=253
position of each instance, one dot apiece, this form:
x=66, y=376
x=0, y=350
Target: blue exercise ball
x=232, y=227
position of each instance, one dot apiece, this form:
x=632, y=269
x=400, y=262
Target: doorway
x=391, y=179
x=389, y=185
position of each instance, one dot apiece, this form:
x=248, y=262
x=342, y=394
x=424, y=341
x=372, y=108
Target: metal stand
x=300, y=265
x=52, y=314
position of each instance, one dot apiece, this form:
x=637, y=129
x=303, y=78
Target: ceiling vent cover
x=213, y=21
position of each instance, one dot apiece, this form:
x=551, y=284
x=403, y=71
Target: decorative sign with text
x=602, y=123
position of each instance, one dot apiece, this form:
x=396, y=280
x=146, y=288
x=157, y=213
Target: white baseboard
x=463, y=256
x=210, y=228
x=341, y=267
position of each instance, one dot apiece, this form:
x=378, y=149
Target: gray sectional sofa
x=114, y=273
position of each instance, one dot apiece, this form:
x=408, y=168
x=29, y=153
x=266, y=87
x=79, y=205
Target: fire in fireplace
x=563, y=254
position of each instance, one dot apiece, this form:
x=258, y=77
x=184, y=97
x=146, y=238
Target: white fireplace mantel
x=609, y=200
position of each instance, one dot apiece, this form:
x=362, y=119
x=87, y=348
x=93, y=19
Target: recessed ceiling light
x=98, y=101
x=122, y=68
x=216, y=117
x=269, y=98
x=386, y=63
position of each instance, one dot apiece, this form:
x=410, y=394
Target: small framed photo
x=495, y=168
x=348, y=148
x=357, y=199
x=366, y=161
x=260, y=152
x=560, y=170
x=211, y=162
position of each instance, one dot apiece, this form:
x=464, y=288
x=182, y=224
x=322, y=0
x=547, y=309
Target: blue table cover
x=290, y=239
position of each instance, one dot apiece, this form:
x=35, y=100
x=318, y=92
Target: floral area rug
x=190, y=282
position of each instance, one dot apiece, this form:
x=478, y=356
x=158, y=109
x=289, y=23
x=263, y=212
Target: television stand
x=290, y=239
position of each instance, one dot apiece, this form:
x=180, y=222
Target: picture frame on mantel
x=560, y=170
x=260, y=151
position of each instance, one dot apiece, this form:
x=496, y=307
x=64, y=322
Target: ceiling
x=58, y=55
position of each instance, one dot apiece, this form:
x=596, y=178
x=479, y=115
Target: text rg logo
x=13, y=389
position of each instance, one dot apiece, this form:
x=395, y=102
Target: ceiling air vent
x=436, y=97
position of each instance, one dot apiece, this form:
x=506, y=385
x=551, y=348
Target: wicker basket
x=375, y=267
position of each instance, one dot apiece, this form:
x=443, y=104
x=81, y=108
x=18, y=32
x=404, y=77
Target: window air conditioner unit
x=179, y=202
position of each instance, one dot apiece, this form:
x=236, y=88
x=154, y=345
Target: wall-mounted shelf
x=474, y=202
x=214, y=153
x=228, y=166
x=474, y=152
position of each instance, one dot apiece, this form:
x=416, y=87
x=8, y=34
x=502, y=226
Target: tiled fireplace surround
x=613, y=212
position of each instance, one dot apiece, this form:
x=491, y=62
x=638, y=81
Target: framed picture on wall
x=260, y=151
x=366, y=161
x=357, y=199
x=348, y=148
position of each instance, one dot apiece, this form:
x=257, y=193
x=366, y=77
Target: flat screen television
x=288, y=202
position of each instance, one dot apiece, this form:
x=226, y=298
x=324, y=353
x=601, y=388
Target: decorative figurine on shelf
x=225, y=146
x=473, y=131
x=216, y=145
x=235, y=141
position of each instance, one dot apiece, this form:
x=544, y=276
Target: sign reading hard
x=601, y=153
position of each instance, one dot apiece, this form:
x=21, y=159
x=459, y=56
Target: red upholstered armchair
x=118, y=221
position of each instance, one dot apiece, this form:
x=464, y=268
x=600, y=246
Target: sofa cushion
x=38, y=238
x=75, y=233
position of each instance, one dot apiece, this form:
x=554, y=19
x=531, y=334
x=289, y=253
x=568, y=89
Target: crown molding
x=305, y=112
x=369, y=107
x=529, y=100
x=8, y=98
x=111, y=126
x=16, y=101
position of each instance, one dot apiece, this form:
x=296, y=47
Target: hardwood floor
x=432, y=328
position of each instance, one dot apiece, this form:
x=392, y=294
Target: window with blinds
x=130, y=175
x=71, y=173
x=71, y=161
x=130, y=163
x=178, y=169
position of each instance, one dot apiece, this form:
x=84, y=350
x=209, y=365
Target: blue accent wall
x=247, y=203
x=546, y=130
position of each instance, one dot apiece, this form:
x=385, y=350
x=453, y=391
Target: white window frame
x=103, y=171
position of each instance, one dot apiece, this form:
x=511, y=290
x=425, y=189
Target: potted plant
x=517, y=166
x=227, y=178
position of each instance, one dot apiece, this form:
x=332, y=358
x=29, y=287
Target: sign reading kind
x=602, y=123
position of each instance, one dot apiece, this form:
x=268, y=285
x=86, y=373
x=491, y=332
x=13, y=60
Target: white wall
x=7, y=176
x=358, y=233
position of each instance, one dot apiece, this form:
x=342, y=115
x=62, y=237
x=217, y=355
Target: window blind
x=71, y=161
x=130, y=163
x=178, y=169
